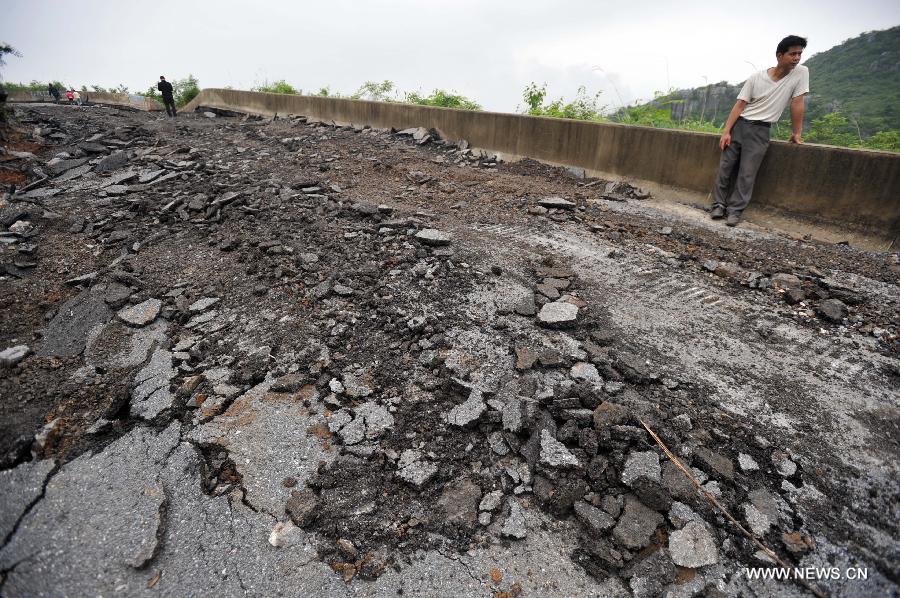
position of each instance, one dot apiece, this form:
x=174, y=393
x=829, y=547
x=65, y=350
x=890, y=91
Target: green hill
x=859, y=78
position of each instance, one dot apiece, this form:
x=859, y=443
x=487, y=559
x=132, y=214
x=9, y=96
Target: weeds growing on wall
x=280, y=86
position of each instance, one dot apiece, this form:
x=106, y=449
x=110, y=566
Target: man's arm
x=738, y=109
x=797, y=108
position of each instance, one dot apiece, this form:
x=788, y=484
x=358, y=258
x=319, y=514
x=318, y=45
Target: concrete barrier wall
x=137, y=102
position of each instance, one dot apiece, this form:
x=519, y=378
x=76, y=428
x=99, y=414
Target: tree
x=185, y=90
x=376, y=92
x=5, y=49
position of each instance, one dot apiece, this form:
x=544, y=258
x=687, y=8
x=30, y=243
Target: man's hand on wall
x=795, y=138
x=725, y=141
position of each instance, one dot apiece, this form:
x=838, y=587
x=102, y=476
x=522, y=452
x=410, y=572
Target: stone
x=682, y=423
x=648, y=576
x=636, y=525
x=758, y=521
x=693, y=546
x=284, y=534
x=491, y=501
x=715, y=463
x=526, y=306
x=289, y=383
x=469, y=412
x=114, y=161
x=783, y=464
x=680, y=515
x=413, y=469
x=553, y=453
x=377, y=418
x=525, y=358
x=595, y=520
x=302, y=507
x=433, y=237
x=513, y=414
x=357, y=384
x=587, y=372
x=203, y=304
x=794, y=295
x=64, y=165
x=782, y=281
x=746, y=463
x=68, y=331
x=498, y=444
x=833, y=310
x=677, y=484
x=641, y=464
x=550, y=292
x=11, y=356
x=558, y=315
x=609, y=414
x=557, y=202
x=458, y=504
x=142, y=313
x=514, y=526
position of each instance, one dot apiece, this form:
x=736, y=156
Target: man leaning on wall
x=745, y=137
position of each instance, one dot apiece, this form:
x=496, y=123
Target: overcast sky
x=488, y=50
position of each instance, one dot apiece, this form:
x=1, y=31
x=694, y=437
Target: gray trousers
x=748, y=147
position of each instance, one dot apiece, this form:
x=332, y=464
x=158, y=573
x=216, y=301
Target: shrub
x=583, y=107
x=280, y=86
x=444, y=99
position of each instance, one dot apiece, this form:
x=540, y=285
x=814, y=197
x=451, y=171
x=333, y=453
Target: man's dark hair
x=789, y=42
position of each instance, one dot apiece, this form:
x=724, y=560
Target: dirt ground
x=375, y=349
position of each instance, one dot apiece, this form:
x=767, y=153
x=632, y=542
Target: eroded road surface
x=255, y=357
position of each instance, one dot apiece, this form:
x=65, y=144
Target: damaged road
x=288, y=357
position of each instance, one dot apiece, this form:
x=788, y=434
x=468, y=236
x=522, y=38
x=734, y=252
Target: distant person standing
x=70, y=95
x=76, y=96
x=165, y=88
x=745, y=137
x=54, y=92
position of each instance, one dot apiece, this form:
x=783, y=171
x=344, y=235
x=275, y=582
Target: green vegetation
x=385, y=91
x=657, y=113
x=583, y=107
x=183, y=90
x=38, y=86
x=859, y=79
x=443, y=99
x=280, y=86
x=6, y=49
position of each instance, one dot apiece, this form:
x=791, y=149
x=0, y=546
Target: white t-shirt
x=767, y=99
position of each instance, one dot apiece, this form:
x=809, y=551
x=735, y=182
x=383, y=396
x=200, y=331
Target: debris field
x=282, y=356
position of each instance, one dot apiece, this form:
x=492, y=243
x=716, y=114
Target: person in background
x=70, y=95
x=165, y=88
x=76, y=96
x=54, y=92
x=745, y=137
